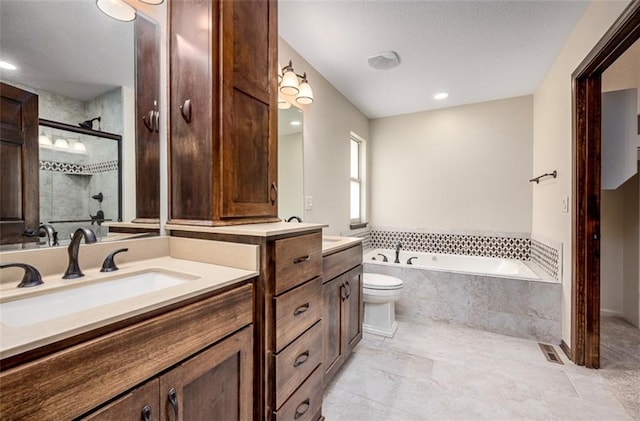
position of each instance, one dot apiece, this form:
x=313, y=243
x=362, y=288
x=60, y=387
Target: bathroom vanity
x=343, y=309
x=183, y=351
x=288, y=346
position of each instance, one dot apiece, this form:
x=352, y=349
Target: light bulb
x=62, y=143
x=117, y=9
x=289, y=85
x=305, y=96
x=43, y=139
x=282, y=104
x=79, y=146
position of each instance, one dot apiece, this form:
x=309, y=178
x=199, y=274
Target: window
x=357, y=177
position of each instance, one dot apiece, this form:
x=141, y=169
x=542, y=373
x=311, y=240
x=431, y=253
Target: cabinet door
x=147, y=120
x=353, y=309
x=19, y=175
x=248, y=150
x=215, y=384
x=141, y=404
x=334, y=293
x=193, y=121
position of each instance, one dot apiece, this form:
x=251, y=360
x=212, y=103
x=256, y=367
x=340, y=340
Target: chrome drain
x=550, y=353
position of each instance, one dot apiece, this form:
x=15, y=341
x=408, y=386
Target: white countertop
x=332, y=243
x=209, y=265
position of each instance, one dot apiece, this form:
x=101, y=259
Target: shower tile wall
x=65, y=196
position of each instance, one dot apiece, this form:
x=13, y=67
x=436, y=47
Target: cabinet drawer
x=297, y=361
x=305, y=403
x=339, y=262
x=296, y=311
x=298, y=259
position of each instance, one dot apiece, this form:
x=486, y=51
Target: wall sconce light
x=289, y=85
x=43, y=139
x=62, y=143
x=79, y=146
x=117, y=9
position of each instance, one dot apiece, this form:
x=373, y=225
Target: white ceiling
x=65, y=47
x=474, y=50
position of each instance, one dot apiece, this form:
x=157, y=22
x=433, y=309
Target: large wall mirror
x=290, y=164
x=97, y=81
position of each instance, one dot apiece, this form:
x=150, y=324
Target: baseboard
x=566, y=349
x=610, y=313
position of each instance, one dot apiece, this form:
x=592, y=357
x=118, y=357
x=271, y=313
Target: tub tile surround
x=516, y=307
x=435, y=370
x=543, y=255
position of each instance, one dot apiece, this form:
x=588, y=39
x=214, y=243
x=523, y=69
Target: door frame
x=586, y=110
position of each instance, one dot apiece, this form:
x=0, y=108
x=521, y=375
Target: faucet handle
x=109, y=264
x=31, y=277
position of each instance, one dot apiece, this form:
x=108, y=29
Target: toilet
x=380, y=292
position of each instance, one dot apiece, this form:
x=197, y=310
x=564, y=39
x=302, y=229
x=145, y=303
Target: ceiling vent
x=384, y=61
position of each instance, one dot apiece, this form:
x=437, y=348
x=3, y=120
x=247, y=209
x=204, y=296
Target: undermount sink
x=51, y=305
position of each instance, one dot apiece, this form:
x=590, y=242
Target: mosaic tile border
x=506, y=247
x=68, y=168
x=547, y=254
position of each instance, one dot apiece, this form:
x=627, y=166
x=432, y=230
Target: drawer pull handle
x=298, y=311
x=148, y=121
x=173, y=400
x=301, y=259
x=348, y=287
x=301, y=359
x=302, y=408
x=146, y=413
x=185, y=110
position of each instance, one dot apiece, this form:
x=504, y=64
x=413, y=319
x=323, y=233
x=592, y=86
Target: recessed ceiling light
x=441, y=95
x=295, y=123
x=7, y=66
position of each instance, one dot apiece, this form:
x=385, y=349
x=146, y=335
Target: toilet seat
x=376, y=281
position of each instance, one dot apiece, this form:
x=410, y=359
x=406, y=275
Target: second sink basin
x=51, y=305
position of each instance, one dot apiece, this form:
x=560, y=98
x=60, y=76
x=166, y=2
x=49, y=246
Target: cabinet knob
x=185, y=110
x=148, y=120
x=146, y=413
x=173, y=400
x=302, y=408
x=274, y=193
x=301, y=309
x=301, y=359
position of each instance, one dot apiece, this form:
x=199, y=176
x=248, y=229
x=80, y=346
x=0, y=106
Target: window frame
x=358, y=222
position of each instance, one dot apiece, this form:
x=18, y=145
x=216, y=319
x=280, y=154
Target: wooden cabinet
x=343, y=308
x=288, y=334
x=147, y=120
x=215, y=384
x=19, y=199
x=204, y=350
x=223, y=93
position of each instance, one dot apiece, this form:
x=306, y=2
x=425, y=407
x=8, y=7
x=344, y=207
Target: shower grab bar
x=553, y=174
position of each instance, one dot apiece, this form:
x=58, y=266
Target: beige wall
x=552, y=141
x=631, y=252
x=328, y=123
x=612, y=232
x=460, y=168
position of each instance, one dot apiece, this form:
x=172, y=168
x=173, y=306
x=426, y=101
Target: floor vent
x=550, y=353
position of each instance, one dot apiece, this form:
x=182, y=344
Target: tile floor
x=440, y=371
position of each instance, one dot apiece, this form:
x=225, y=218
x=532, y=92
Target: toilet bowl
x=380, y=292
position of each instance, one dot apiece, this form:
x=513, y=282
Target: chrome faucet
x=294, y=217
x=73, y=269
x=398, y=247
x=52, y=234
